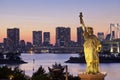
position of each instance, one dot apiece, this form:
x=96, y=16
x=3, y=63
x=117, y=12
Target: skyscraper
x=37, y=38
x=108, y=37
x=80, y=39
x=13, y=38
x=100, y=36
x=63, y=36
x=6, y=44
x=22, y=46
x=46, y=36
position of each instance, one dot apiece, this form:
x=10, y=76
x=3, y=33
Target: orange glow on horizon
x=26, y=32
x=27, y=27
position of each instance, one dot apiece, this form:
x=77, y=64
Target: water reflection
x=46, y=60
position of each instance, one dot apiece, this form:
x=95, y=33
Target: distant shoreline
x=101, y=60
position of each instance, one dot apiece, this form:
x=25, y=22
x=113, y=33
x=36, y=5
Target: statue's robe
x=91, y=46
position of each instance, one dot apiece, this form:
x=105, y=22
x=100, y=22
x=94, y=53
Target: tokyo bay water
x=48, y=59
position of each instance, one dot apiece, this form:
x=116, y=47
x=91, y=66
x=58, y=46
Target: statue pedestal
x=85, y=76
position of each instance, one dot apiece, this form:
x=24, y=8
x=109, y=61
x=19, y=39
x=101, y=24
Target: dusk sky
x=46, y=15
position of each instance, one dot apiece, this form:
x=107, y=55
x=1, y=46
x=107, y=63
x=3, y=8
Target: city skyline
x=46, y=15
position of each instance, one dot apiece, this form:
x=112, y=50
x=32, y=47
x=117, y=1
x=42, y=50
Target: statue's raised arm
x=81, y=21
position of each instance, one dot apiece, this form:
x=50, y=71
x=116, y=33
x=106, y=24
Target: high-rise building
x=80, y=38
x=37, y=38
x=100, y=36
x=6, y=44
x=22, y=46
x=29, y=46
x=110, y=36
x=13, y=38
x=63, y=36
x=46, y=36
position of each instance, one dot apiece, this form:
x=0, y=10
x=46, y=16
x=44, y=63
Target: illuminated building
x=37, y=38
x=29, y=46
x=22, y=46
x=46, y=36
x=63, y=36
x=7, y=44
x=13, y=38
x=100, y=36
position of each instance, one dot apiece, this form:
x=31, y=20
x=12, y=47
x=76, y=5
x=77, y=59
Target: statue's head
x=90, y=30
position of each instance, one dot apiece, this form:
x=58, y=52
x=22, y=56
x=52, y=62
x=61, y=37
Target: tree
x=40, y=74
x=57, y=72
x=19, y=74
x=5, y=72
x=15, y=74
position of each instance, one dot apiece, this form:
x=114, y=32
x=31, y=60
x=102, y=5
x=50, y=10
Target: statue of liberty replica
x=92, y=46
